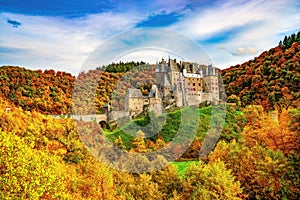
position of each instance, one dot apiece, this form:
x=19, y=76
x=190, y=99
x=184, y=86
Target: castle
x=177, y=84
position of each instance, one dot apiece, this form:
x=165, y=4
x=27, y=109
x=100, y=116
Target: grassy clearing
x=183, y=166
x=168, y=125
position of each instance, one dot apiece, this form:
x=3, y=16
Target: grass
x=168, y=125
x=128, y=130
x=182, y=166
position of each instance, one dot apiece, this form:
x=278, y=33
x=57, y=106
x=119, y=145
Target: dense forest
x=271, y=79
x=43, y=158
x=98, y=87
x=51, y=92
x=48, y=92
x=256, y=155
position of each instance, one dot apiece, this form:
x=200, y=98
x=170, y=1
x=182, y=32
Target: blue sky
x=62, y=34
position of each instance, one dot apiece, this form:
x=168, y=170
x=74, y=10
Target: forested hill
x=271, y=79
x=48, y=92
x=51, y=92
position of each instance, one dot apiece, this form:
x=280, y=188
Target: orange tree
x=262, y=173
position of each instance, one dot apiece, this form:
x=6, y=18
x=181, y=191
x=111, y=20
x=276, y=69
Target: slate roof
x=163, y=79
x=132, y=92
x=166, y=81
x=163, y=68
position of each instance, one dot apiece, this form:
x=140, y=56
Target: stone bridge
x=96, y=117
x=112, y=116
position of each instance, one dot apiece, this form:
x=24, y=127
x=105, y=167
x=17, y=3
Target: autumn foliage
x=47, y=92
x=257, y=155
x=271, y=130
x=51, y=92
x=271, y=79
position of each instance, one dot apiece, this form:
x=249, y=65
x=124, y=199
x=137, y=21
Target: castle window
x=194, y=84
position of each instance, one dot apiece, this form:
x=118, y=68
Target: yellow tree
x=262, y=173
x=139, y=143
x=137, y=186
x=27, y=173
x=210, y=181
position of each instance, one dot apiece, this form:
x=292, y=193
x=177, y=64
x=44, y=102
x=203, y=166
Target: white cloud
x=169, y=5
x=139, y=43
x=64, y=44
x=256, y=25
x=251, y=50
x=221, y=18
x=55, y=42
x=147, y=55
x=145, y=8
x=241, y=51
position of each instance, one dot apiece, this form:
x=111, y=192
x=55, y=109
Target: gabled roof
x=132, y=92
x=163, y=79
x=166, y=81
x=162, y=67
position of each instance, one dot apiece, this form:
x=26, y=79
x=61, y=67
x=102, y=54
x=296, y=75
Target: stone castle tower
x=177, y=84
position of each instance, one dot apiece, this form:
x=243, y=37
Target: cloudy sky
x=62, y=34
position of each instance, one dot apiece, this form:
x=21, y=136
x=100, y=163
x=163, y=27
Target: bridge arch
x=103, y=124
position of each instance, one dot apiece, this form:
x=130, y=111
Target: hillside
x=256, y=156
x=271, y=79
x=255, y=167
x=47, y=92
x=95, y=88
x=51, y=92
